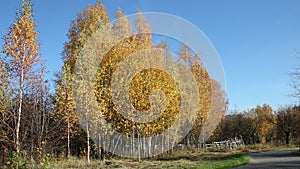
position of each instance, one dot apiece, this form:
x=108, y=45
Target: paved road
x=276, y=159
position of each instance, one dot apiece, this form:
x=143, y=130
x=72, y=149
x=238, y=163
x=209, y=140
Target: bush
x=17, y=161
x=47, y=159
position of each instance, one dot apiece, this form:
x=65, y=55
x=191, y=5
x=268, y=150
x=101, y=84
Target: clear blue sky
x=257, y=40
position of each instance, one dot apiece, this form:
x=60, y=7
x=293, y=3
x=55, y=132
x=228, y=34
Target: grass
x=263, y=147
x=181, y=159
x=187, y=159
x=257, y=148
x=225, y=162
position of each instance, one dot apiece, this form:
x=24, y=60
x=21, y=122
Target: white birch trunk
x=19, y=112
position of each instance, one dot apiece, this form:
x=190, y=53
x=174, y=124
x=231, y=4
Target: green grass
x=215, y=163
x=225, y=162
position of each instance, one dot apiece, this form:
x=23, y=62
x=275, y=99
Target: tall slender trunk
x=69, y=126
x=144, y=146
x=168, y=140
x=69, y=151
x=174, y=140
x=162, y=144
x=42, y=133
x=100, y=149
x=149, y=147
x=116, y=144
x=32, y=148
x=139, y=146
x=19, y=112
x=133, y=148
x=88, y=143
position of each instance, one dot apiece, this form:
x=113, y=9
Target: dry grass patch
x=179, y=159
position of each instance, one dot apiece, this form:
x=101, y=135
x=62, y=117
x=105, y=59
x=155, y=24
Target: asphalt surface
x=275, y=159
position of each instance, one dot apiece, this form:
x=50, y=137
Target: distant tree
x=264, y=120
x=238, y=125
x=295, y=81
x=287, y=122
x=296, y=133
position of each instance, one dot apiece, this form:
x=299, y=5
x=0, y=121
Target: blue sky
x=257, y=40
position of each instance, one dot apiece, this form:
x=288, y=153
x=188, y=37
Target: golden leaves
x=145, y=82
x=88, y=21
x=21, y=45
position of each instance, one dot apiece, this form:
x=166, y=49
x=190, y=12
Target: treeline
x=262, y=125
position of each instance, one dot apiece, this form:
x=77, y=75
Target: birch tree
x=21, y=48
x=88, y=21
x=65, y=105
